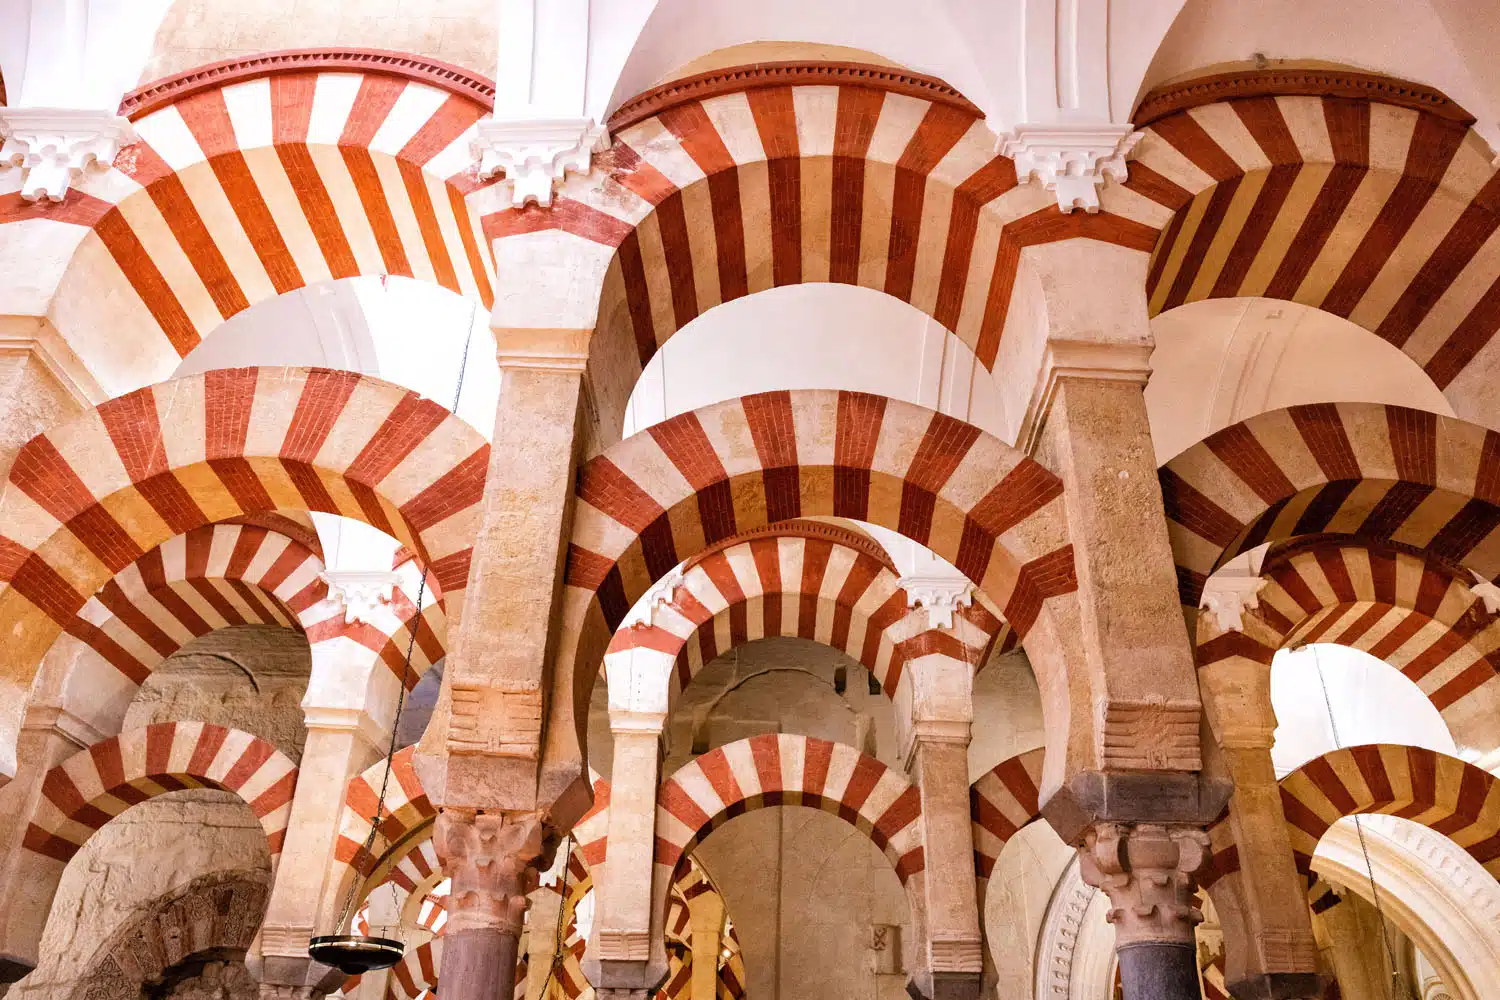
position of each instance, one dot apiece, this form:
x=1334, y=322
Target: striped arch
x=407, y=815
x=799, y=580
x=785, y=770
x=208, y=578
x=93, y=495
x=95, y=785
x=420, y=967
x=1376, y=207
x=1373, y=472
x=1002, y=800
x=1403, y=607
x=665, y=494
x=386, y=637
x=761, y=176
x=240, y=192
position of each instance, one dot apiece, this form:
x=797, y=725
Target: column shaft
x=625, y=892
x=953, y=936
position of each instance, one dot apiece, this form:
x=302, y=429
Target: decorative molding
x=624, y=945
x=941, y=596
x=1109, y=361
x=560, y=351
x=58, y=720
x=1072, y=161
x=360, y=592
x=54, y=146
x=495, y=721
x=170, y=90
x=1176, y=97
x=734, y=79
x=1062, y=926
x=1150, y=734
x=536, y=153
x=838, y=534
x=955, y=954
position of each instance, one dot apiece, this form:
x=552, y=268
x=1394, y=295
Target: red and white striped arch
x=787, y=770
x=1383, y=473
x=667, y=493
x=387, y=635
x=1448, y=795
x=209, y=578
x=406, y=811
x=1403, y=607
x=785, y=582
x=1003, y=799
x=1382, y=209
x=93, y=786
x=93, y=495
x=241, y=192
x=761, y=176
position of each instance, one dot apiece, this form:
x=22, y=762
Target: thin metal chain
x=557, y=932
x=1385, y=935
x=411, y=642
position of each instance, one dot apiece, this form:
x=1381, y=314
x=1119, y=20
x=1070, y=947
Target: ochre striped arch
x=1404, y=607
x=387, y=636
x=794, y=585
x=241, y=192
x=208, y=578
x=761, y=176
x=1002, y=800
x=1376, y=208
x=407, y=810
x=785, y=770
x=93, y=495
x=93, y=786
x=1448, y=795
x=1366, y=470
x=665, y=494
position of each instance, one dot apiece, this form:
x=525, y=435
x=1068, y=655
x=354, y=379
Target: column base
x=1278, y=986
x=1159, y=971
x=478, y=964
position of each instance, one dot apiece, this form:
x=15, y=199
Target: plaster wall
x=462, y=32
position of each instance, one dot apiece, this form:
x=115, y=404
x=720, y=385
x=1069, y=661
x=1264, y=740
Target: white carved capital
x=940, y=595
x=1071, y=160
x=359, y=591
x=1487, y=592
x=638, y=679
x=662, y=592
x=54, y=146
x=536, y=153
x=1227, y=596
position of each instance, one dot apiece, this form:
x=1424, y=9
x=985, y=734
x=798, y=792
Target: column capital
x=1148, y=871
x=1071, y=160
x=1080, y=358
x=54, y=146
x=939, y=596
x=492, y=859
x=563, y=351
x=536, y=153
x=359, y=592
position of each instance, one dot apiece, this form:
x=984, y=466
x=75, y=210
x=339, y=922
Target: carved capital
x=536, y=153
x=493, y=860
x=1147, y=871
x=941, y=596
x=1072, y=161
x=54, y=146
x=359, y=592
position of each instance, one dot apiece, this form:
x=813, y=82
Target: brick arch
x=1364, y=470
x=798, y=587
x=1401, y=606
x=407, y=815
x=665, y=494
x=92, y=495
x=786, y=770
x=760, y=176
x=93, y=786
x=1443, y=793
x=249, y=188
x=1001, y=801
x=1364, y=196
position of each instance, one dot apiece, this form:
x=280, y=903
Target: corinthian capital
x=1147, y=870
x=492, y=859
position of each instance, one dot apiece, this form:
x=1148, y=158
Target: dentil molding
x=54, y=146
x=536, y=153
x=1072, y=161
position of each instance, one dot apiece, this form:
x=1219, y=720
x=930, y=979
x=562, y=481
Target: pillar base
x=1278, y=986
x=1159, y=971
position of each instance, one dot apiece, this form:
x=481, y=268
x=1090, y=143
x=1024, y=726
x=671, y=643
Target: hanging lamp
x=355, y=954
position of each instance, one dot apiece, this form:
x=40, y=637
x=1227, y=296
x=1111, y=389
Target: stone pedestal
x=492, y=859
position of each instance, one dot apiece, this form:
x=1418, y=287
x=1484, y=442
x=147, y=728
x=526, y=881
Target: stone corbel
x=54, y=146
x=359, y=591
x=1235, y=588
x=536, y=153
x=662, y=592
x=1072, y=161
x=940, y=595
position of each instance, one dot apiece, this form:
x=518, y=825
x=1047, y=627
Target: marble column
x=309, y=887
x=1270, y=953
x=1147, y=872
x=492, y=859
x=936, y=751
x=706, y=920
